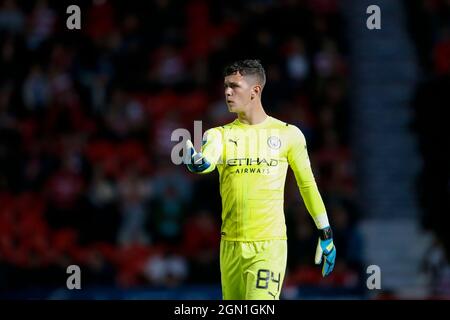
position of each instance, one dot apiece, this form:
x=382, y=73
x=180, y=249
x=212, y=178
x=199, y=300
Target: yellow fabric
x=252, y=161
x=252, y=270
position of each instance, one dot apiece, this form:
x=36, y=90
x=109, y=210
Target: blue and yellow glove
x=326, y=251
x=198, y=162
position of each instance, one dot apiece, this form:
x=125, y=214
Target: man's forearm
x=314, y=204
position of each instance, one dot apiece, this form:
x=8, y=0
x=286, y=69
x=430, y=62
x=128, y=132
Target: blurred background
x=86, y=118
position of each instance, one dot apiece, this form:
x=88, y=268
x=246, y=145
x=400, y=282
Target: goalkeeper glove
x=326, y=251
x=198, y=162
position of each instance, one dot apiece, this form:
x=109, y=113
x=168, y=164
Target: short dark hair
x=247, y=67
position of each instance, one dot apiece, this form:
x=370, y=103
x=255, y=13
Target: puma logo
x=234, y=141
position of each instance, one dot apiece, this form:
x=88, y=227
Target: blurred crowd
x=429, y=23
x=86, y=118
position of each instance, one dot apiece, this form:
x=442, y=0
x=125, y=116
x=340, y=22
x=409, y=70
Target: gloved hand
x=198, y=162
x=326, y=251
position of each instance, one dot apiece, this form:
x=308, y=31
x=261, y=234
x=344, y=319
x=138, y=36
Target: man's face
x=238, y=92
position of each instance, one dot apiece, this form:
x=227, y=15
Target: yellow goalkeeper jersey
x=252, y=161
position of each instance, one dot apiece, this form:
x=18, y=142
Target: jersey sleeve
x=298, y=160
x=212, y=147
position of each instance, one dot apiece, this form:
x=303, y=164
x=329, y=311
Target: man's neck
x=253, y=116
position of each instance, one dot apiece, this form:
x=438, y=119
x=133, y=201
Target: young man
x=252, y=155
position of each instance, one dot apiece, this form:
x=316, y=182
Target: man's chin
x=232, y=109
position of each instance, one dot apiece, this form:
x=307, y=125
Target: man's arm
x=299, y=162
x=206, y=160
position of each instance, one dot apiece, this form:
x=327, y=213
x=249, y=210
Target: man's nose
x=228, y=92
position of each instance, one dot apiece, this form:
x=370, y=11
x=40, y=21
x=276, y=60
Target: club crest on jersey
x=274, y=142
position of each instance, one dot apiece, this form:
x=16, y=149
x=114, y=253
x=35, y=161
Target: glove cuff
x=326, y=233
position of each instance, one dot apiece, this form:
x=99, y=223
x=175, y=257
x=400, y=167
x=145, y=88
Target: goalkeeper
x=252, y=155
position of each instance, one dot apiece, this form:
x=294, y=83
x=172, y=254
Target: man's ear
x=256, y=91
